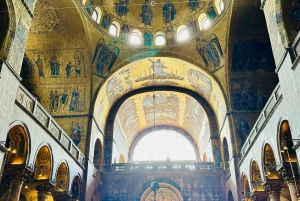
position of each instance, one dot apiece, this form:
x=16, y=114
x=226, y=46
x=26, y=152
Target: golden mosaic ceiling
x=168, y=108
x=183, y=11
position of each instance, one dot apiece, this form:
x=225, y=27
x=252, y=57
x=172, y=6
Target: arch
x=245, y=187
x=97, y=14
x=285, y=143
x=149, y=130
x=256, y=177
x=219, y=4
x=203, y=21
x=97, y=154
x=121, y=159
x=18, y=144
x=269, y=162
x=182, y=33
x=105, y=115
x=114, y=28
x=226, y=152
x=62, y=177
x=160, y=38
x=8, y=27
x=76, y=187
x=43, y=163
x=83, y=2
x=163, y=188
x=136, y=37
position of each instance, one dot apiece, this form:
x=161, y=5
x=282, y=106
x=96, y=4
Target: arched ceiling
x=161, y=108
x=167, y=72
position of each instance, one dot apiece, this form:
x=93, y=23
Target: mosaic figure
x=243, y=129
x=106, y=22
x=208, y=50
x=74, y=101
x=169, y=12
x=170, y=36
x=54, y=65
x=76, y=134
x=121, y=7
x=147, y=13
x=192, y=26
x=125, y=32
x=39, y=64
x=193, y=4
x=54, y=99
x=148, y=38
x=104, y=57
x=68, y=69
x=211, y=12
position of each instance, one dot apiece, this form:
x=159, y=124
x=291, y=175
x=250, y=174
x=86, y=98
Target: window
x=219, y=5
x=162, y=144
x=182, y=33
x=114, y=28
x=97, y=15
x=159, y=38
x=136, y=37
x=203, y=21
x=83, y=2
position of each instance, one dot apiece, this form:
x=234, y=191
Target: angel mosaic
x=104, y=57
x=210, y=51
x=121, y=7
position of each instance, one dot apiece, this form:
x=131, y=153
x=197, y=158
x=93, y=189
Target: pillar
x=20, y=174
x=15, y=189
x=274, y=192
x=43, y=190
x=292, y=189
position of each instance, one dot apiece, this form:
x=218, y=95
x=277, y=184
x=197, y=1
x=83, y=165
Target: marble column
x=15, y=189
x=43, y=190
x=292, y=189
x=19, y=174
x=274, y=192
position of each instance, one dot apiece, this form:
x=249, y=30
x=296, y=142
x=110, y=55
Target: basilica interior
x=149, y=100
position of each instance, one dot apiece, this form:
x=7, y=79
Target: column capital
x=259, y=195
x=18, y=172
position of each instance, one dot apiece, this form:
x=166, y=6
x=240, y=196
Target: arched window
x=219, y=5
x=97, y=15
x=83, y=2
x=203, y=21
x=182, y=33
x=159, y=38
x=164, y=144
x=114, y=28
x=136, y=37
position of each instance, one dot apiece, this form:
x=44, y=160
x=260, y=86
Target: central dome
x=176, y=21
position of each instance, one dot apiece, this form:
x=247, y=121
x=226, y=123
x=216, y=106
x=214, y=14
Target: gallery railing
x=206, y=167
x=262, y=120
x=30, y=103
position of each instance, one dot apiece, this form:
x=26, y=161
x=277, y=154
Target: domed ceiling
x=157, y=17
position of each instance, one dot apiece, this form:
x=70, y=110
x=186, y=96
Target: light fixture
x=154, y=186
